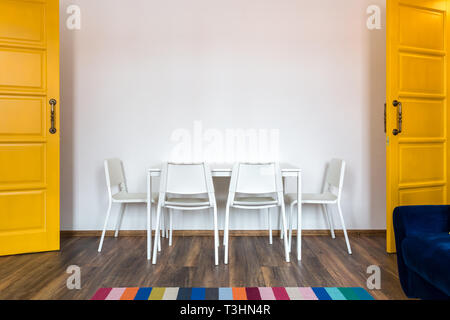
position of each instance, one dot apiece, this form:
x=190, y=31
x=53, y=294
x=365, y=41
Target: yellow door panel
x=423, y=119
x=421, y=74
x=28, y=161
x=410, y=197
x=29, y=153
x=26, y=212
x=416, y=102
x=23, y=116
x=22, y=68
x=421, y=163
x=437, y=5
x=22, y=21
x=422, y=28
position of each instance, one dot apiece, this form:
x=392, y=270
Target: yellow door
x=416, y=105
x=29, y=152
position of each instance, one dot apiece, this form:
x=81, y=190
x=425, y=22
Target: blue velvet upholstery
x=423, y=250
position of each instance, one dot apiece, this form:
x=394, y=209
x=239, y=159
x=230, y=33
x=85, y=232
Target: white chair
x=118, y=193
x=255, y=187
x=331, y=195
x=186, y=186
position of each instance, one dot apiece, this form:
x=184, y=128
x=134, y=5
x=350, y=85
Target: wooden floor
x=189, y=263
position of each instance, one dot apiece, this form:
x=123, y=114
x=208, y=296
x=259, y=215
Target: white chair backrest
x=334, y=179
x=187, y=179
x=256, y=178
x=115, y=175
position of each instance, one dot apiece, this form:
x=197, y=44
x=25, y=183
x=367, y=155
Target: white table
x=225, y=170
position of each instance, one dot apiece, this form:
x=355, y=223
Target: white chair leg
x=157, y=233
x=159, y=243
x=226, y=231
x=119, y=219
x=291, y=220
x=286, y=246
x=329, y=219
x=280, y=222
x=299, y=231
x=216, y=237
x=216, y=230
x=104, y=227
x=224, y=228
x=149, y=231
x=163, y=224
x=167, y=224
x=270, y=225
x=170, y=226
x=344, y=229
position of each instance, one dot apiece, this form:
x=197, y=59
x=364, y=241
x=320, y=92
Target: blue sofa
x=423, y=250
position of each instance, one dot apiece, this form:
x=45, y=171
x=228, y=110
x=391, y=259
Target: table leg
x=280, y=220
x=299, y=216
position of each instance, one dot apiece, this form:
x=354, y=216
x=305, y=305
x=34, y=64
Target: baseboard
x=235, y=233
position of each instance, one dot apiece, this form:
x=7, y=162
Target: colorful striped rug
x=253, y=293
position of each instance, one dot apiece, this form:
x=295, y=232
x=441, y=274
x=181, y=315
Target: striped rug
x=253, y=293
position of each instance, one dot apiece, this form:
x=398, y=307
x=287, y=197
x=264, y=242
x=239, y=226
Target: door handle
x=398, y=105
x=52, y=116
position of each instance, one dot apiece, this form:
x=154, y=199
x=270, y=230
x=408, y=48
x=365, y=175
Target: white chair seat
x=252, y=201
x=190, y=202
x=326, y=197
x=133, y=197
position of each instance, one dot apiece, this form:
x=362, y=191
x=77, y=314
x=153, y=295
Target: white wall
x=138, y=70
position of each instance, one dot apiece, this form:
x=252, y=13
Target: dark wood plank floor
x=190, y=263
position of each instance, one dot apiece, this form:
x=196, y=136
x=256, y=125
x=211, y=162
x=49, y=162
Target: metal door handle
x=398, y=105
x=52, y=116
